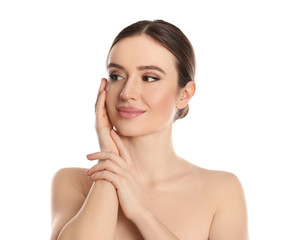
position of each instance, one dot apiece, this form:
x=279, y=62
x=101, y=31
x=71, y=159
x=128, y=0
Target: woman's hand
x=103, y=124
x=121, y=172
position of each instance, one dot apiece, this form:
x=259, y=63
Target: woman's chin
x=126, y=132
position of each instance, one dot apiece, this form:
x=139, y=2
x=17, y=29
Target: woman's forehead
x=142, y=50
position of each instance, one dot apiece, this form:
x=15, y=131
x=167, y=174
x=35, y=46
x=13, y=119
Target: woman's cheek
x=110, y=94
x=165, y=106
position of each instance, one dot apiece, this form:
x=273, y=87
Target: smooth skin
x=139, y=188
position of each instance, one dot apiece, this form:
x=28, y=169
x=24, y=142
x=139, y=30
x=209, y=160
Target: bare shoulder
x=220, y=181
x=226, y=192
x=69, y=173
x=226, y=184
x=72, y=177
x=223, y=180
x=70, y=187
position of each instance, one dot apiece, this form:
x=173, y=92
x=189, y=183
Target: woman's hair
x=175, y=41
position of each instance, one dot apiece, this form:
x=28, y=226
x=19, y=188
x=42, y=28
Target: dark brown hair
x=172, y=38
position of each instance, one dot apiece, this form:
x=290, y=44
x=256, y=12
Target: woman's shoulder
x=219, y=176
x=225, y=191
x=222, y=182
x=72, y=177
x=209, y=173
x=70, y=174
x=70, y=171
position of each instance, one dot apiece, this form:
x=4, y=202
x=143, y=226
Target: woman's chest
x=187, y=214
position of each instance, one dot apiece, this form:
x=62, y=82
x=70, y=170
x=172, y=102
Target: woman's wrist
x=150, y=226
x=105, y=184
x=141, y=215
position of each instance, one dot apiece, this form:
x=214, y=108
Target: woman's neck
x=153, y=156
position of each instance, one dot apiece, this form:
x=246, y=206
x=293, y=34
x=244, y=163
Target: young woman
x=139, y=188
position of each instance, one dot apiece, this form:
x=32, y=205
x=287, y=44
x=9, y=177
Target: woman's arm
x=230, y=219
x=73, y=217
x=151, y=228
x=95, y=217
x=121, y=172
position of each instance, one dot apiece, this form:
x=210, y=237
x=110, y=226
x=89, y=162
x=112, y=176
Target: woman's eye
x=115, y=77
x=150, y=79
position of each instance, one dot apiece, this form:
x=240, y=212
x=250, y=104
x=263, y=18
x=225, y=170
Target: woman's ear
x=185, y=94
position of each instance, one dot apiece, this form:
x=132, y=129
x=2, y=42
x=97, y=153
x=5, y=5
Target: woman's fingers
x=102, y=119
x=107, y=155
x=108, y=176
x=106, y=165
x=102, y=86
x=121, y=148
x=98, y=155
x=103, y=124
x=100, y=107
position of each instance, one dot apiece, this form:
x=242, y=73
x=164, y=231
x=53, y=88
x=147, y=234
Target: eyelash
x=113, y=78
x=147, y=77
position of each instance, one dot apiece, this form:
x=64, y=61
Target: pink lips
x=129, y=112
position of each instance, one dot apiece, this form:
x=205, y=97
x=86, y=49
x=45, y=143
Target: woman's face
x=142, y=89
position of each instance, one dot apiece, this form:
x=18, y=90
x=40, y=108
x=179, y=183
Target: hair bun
x=181, y=113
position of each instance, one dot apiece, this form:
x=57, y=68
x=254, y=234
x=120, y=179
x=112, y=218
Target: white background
x=243, y=118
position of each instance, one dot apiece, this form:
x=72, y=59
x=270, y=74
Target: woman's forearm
x=97, y=218
x=151, y=228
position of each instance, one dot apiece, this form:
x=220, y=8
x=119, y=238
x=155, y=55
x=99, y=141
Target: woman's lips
x=129, y=112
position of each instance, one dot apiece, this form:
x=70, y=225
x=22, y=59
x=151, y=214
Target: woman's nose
x=130, y=89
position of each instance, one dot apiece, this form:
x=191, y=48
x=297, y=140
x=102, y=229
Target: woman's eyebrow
x=141, y=68
x=115, y=65
x=151, y=67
